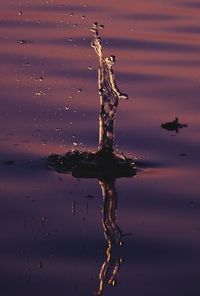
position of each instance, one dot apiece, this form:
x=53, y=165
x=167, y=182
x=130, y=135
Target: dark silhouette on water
x=174, y=125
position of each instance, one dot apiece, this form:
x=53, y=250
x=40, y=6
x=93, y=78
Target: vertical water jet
x=109, y=95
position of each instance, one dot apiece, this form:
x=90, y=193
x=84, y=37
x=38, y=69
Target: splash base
x=84, y=164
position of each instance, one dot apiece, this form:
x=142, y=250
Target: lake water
x=51, y=234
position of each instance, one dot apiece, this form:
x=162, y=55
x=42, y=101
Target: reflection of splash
x=109, y=94
x=113, y=234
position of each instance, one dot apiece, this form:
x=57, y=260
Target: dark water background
x=51, y=237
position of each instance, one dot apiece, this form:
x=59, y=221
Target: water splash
x=104, y=163
x=109, y=94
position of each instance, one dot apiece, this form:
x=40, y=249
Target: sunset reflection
x=46, y=59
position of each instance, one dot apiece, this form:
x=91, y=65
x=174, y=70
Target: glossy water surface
x=51, y=234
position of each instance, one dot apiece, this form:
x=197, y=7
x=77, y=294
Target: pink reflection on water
x=157, y=49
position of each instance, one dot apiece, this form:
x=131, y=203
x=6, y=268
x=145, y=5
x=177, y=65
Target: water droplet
x=89, y=68
x=22, y=41
x=66, y=107
x=41, y=78
x=70, y=39
x=80, y=90
x=39, y=93
x=95, y=25
x=83, y=17
x=94, y=28
x=75, y=143
x=101, y=26
x=20, y=12
x=40, y=265
x=44, y=219
x=28, y=64
x=70, y=96
x=123, y=96
x=57, y=129
x=74, y=207
x=71, y=14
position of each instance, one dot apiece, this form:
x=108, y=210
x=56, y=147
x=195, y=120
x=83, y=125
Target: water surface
x=52, y=239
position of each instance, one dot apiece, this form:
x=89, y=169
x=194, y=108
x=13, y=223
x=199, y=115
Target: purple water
x=51, y=233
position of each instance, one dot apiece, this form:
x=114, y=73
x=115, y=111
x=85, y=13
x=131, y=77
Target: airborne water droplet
x=89, y=68
x=95, y=25
x=39, y=93
x=80, y=90
x=22, y=41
